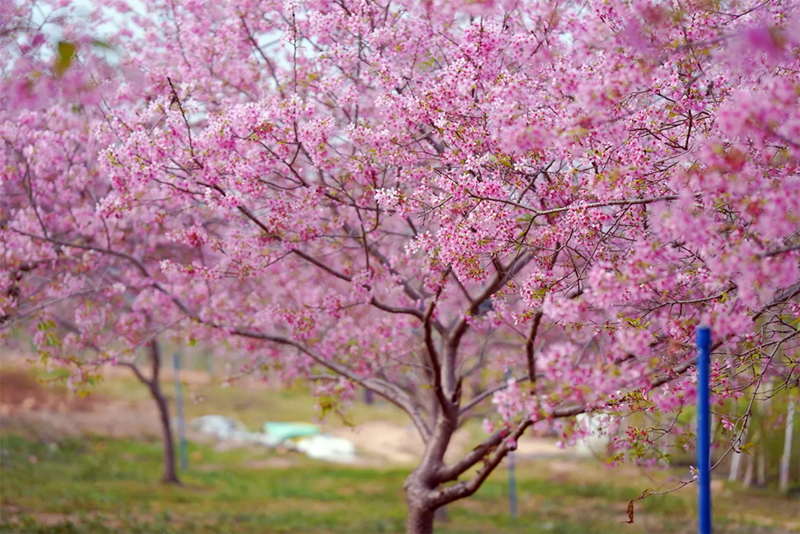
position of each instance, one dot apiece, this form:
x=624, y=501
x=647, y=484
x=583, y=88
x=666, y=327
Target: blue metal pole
x=512, y=479
x=179, y=408
x=512, y=486
x=703, y=431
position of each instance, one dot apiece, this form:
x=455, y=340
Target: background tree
x=71, y=276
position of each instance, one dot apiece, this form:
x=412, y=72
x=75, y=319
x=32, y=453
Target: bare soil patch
x=21, y=392
x=396, y=443
x=33, y=407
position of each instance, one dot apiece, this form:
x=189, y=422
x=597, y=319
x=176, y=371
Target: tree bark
x=420, y=519
x=419, y=489
x=421, y=483
x=170, y=474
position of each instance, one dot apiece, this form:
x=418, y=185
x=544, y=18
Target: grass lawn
x=93, y=486
x=52, y=484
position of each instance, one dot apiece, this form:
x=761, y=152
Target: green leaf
x=101, y=44
x=66, y=53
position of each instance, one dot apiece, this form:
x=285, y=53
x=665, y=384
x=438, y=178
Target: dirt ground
x=395, y=443
x=21, y=392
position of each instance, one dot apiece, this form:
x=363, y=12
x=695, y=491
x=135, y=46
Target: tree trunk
x=787, y=448
x=736, y=461
x=761, y=467
x=748, y=472
x=170, y=475
x=420, y=520
x=763, y=442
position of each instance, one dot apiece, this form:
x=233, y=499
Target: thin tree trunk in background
x=751, y=459
x=761, y=454
x=748, y=472
x=736, y=461
x=761, y=466
x=783, y=484
x=170, y=474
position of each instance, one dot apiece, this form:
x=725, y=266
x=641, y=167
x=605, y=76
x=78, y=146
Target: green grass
x=96, y=486
x=92, y=485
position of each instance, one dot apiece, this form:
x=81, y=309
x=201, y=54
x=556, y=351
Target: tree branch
x=390, y=392
x=498, y=444
x=434, y=355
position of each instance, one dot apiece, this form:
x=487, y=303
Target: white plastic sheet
x=328, y=448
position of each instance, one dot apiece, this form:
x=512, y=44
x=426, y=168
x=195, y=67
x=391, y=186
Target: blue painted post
x=703, y=431
x=179, y=408
x=512, y=486
x=512, y=479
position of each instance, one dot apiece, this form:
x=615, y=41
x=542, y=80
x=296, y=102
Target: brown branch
x=530, y=356
x=497, y=443
x=433, y=353
x=387, y=390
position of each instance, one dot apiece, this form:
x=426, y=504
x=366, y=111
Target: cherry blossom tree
x=59, y=273
x=419, y=197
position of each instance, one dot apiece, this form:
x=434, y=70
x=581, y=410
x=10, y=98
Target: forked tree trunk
x=433, y=485
x=418, y=487
x=421, y=483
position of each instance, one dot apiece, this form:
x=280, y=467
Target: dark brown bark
x=420, y=521
x=420, y=512
x=170, y=474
